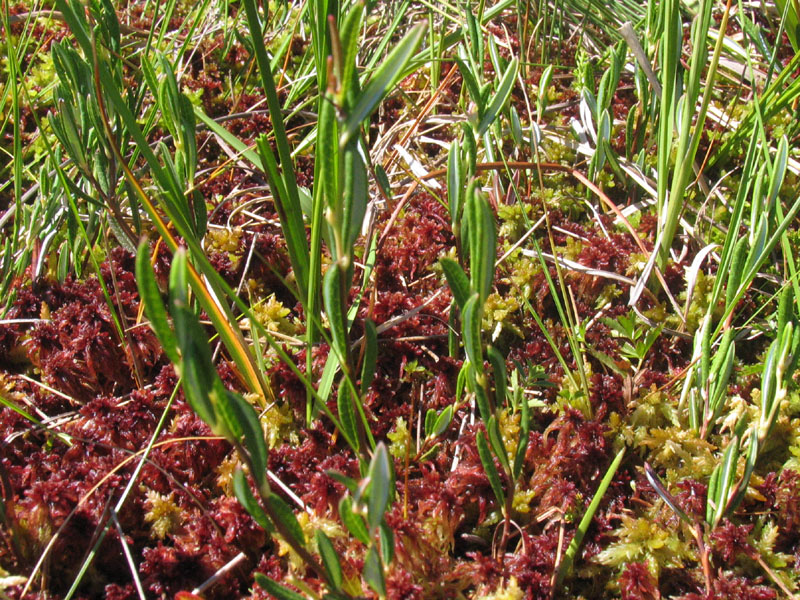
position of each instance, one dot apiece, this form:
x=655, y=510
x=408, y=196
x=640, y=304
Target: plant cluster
x=340, y=300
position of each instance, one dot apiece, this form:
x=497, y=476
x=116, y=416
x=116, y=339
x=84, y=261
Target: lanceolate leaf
x=332, y=295
x=284, y=514
x=500, y=98
x=443, y=421
x=386, y=536
x=470, y=82
x=496, y=441
x=253, y=435
x=488, y=466
x=370, y=354
x=290, y=214
x=473, y=310
x=330, y=560
x=347, y=416
x=430, y=419
x=382, y=81
x=153, y=306
x=457, y=280
x=524, y=431
x=350, y=35
x=270, y=91
x=229, y=425
x=356, y=195
x=499, y=371
x=354, y=523
x=381, y=480
x=373, y=572
x=481, y=235
x=276, y=589
x=482, y=401
x=196, y=369
x=248, y=501
x=583, y=526
x=455, y=185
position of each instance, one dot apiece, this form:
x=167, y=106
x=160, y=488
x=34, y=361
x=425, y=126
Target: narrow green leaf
x=516, y=127
x=273, y=103
x=356, y=197
x=373, y=572
x=347, y=415
x=327, y=151
x=785, y=308
x=276, y=589
x=792, y=22
x=496, y=442
x=711, y=496
x=470, y=82
x=382, y=81
x=353, y=522
x=475, y=38
x=524, y=438
x=381, y=481
x=723, y=375
x=228, y=423
x=74, y=16
x=482, y=401
x=350, y=37
x=452, y=331
x=778, y=170
x=726, y=479
x=242, y=491
x=197, y=373
x=735, y=272
x=254, y=442
x=583, y=526
x=330, y=559
x=386, y=536
x=334, y=307
x=744, y=482
x=500, y=98
x=768, y=383
x=542, y=99
x=500, y=377
x=473, y=311
x=470, y=150
x=455, y=185
x=290, y=213
x=488, y=466
x=661, y=490
x=430, y=419
x=481, y=236
x=153, y=305
x=370, y=354
x=443, y=421
x=348, y=482
x=282, y=512
x=457, y=280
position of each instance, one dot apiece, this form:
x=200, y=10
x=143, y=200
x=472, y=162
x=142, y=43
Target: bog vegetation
x=399, y=299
